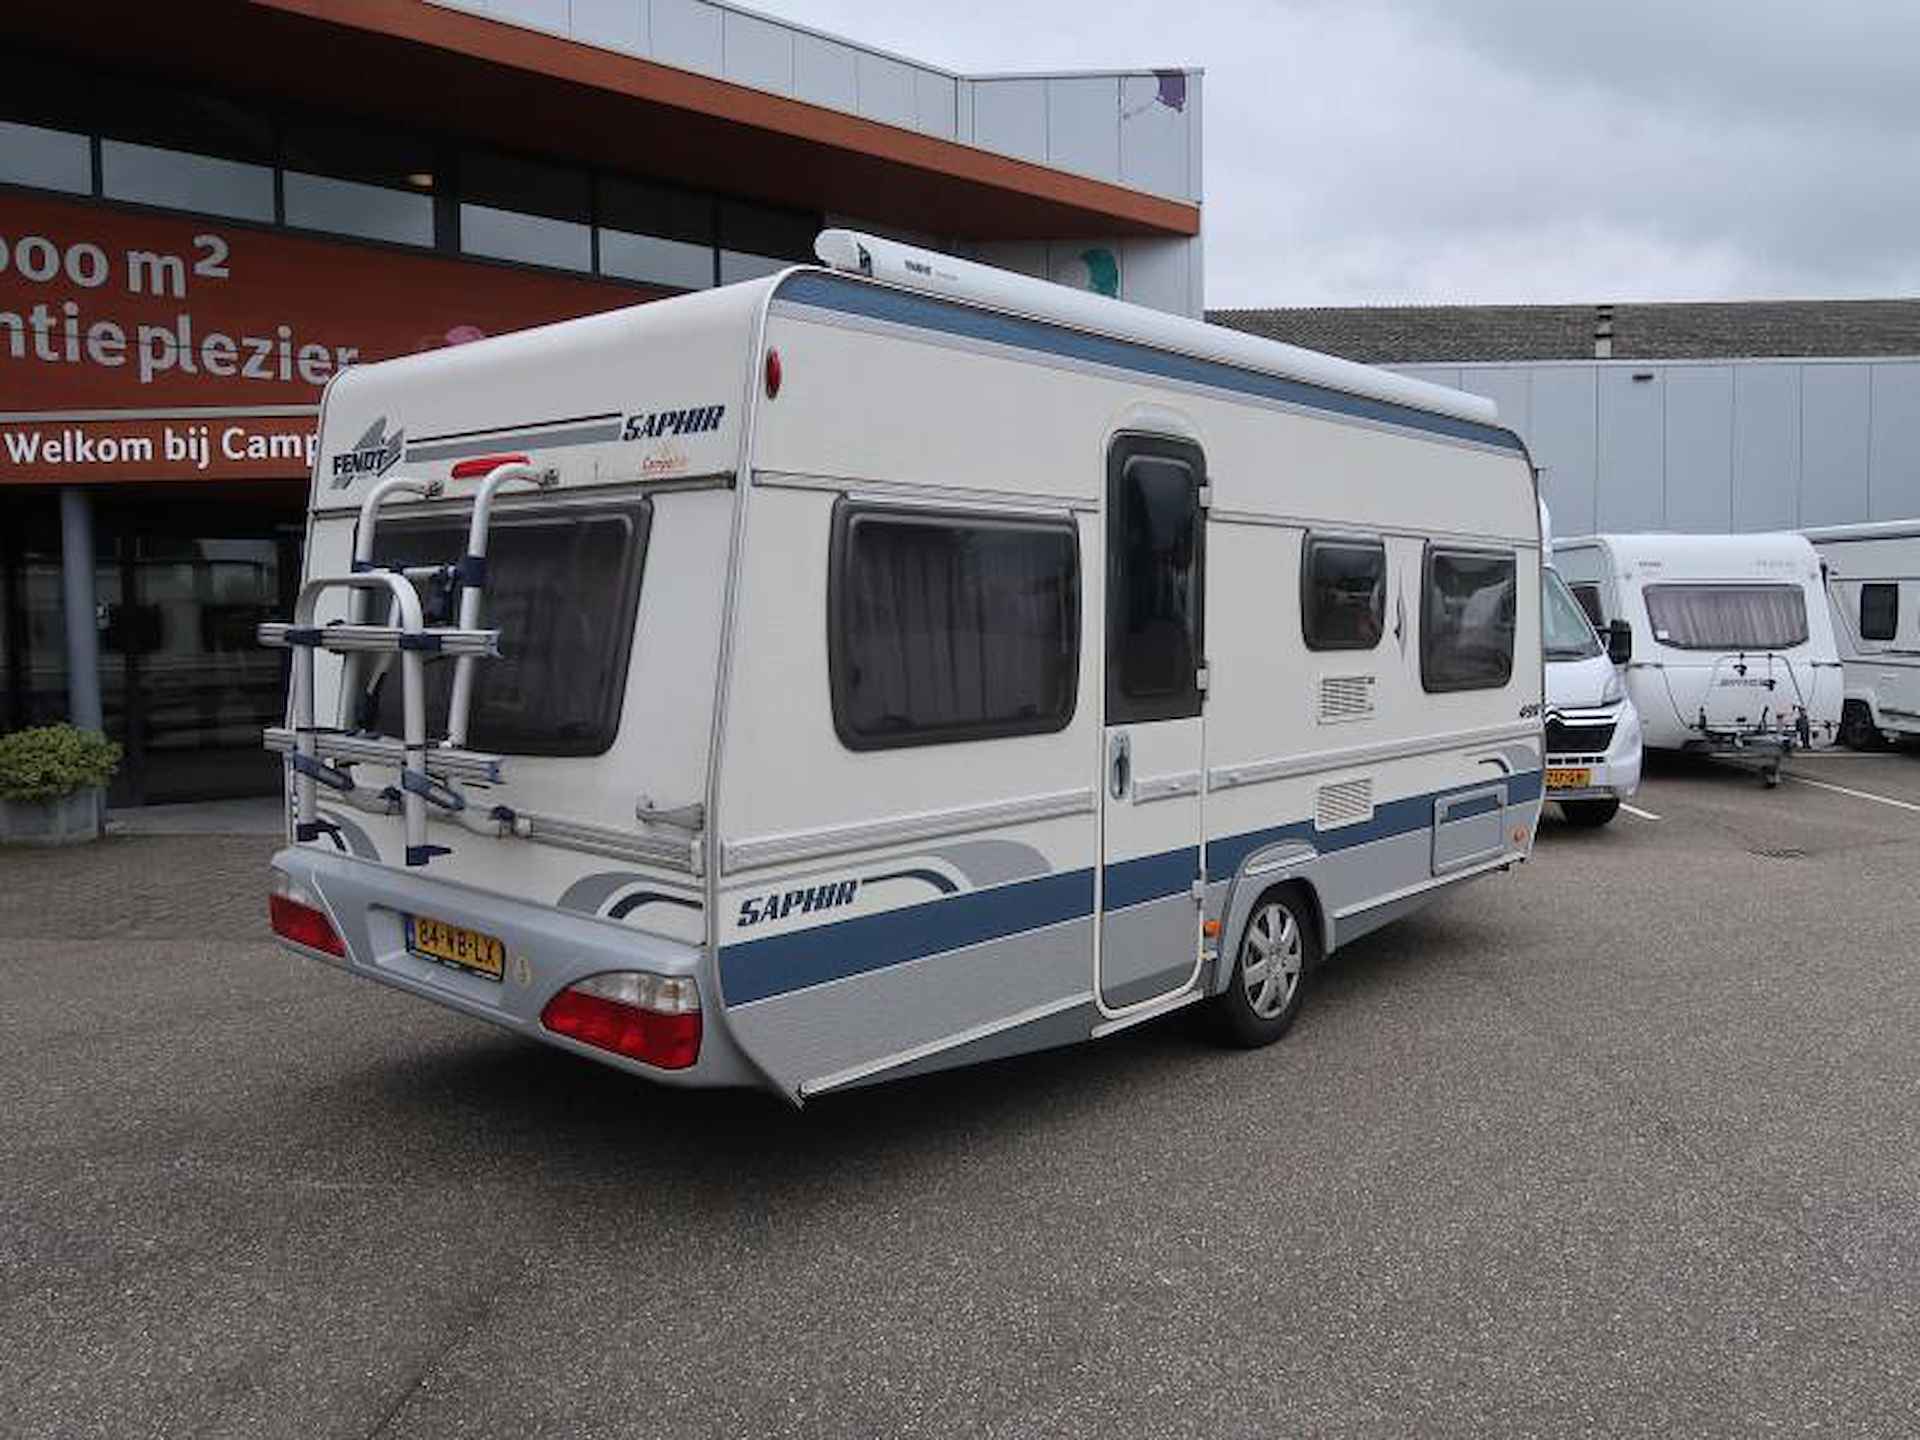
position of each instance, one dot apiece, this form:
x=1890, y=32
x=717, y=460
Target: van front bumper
x=1614, y=775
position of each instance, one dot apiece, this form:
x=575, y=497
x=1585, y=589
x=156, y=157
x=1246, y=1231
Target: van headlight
x=1614, y=693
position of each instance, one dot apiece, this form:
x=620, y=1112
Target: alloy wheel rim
x=1270, y=960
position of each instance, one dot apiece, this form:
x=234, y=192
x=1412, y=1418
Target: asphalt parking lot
x=1627, y=1143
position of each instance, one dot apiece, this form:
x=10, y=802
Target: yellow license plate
x=1568, y=777
x=456, y=945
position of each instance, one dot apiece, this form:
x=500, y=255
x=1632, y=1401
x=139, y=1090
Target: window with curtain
x=1728, y=617
x=945, y=627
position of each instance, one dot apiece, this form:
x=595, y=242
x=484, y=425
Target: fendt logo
x=375, y=453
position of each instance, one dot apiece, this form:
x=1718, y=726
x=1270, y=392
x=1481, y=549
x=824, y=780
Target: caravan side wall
x=1873, y=586
x=883, y=910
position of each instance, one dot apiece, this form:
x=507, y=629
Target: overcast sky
x=1405, y=151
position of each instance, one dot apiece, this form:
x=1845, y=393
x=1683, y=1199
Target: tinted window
x=1728, y=617
x=1466, y=626
x=179, y=181
x=1879, y=610
x=1589, y=598
x=1343, y=593
x=944, y=627
x=562, y=589
x=1153, y=587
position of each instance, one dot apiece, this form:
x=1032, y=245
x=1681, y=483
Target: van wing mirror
x=1619, y=641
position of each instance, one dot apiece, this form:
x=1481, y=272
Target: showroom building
x=207, y=210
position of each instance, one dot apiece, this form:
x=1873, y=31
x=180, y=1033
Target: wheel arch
x=1288, y=864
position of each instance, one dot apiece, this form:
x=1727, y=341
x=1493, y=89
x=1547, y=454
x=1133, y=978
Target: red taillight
x=481, y=465
x=304, y=925
x=773, y=373
x=654, y=1019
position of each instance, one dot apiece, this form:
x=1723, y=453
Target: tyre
x=1589, y=814
x=1857, y=730
x=1278, y=949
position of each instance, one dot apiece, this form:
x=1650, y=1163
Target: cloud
x=1391, y=151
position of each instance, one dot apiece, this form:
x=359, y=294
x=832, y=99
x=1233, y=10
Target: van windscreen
x=1728, y=617
x=563, y=585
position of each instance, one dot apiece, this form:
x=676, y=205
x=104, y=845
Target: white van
x=1593, y=731
x=1873, y=588
x=1728, y=647
x=896, y=665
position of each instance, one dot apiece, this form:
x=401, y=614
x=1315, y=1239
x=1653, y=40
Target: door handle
x=1120, y=767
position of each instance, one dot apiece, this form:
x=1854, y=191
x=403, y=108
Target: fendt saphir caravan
x=1872, y=574
x=1725, y=639
x=880, y=667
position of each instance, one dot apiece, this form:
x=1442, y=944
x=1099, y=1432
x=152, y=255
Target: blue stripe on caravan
x=925, y=312
x=1396, y=817
x=801, y=958
x=759, y=969
x=1478, y=805
x=1131, y=882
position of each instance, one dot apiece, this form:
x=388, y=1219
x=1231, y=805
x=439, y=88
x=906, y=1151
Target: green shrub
x=54, y=760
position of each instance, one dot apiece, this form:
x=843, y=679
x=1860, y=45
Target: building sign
x=136, y=346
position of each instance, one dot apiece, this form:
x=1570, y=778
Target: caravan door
x=1149, y=938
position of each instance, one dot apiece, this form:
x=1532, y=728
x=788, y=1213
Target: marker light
x=654, y=1019
x=482, y=465
x=295, y=914
x=773, y=373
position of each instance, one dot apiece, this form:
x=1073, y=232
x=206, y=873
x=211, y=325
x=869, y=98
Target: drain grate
x=1779, y=852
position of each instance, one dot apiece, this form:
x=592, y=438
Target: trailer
x=894, y=664
x=1724, y=640
x=1872, y=577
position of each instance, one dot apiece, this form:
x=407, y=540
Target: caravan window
x=1466, y=626
x=1879, y=610
x=563, y=586
x=1343, y=593
x=1728, y=617
x=946, y=627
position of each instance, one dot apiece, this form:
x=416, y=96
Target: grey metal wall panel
x=688, y=34
x=1153, y=133
x=1563, y=437
x=1894, y=447
x=1083, y=125
x=1699, y=446
x=758, y=53
x=936, y=103
x=1833, y=444
x=1507, y=386
x=886, y=90
x=825, y=72
x=1011, y=116
x=1766, y=447
x=614, y=24
x=1631, y=459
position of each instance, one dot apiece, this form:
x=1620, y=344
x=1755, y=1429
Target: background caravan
x=1731, y=648
x=1873, y=588
x=895, y=669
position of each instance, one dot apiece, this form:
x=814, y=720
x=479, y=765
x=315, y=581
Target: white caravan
x=900, y=664
x=1873, y=589
x=1592, y=731
x=1727, y=646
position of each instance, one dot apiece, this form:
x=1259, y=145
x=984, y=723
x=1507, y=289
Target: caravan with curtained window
x=1724, y=640
x=893, y=664
x=1873, y=594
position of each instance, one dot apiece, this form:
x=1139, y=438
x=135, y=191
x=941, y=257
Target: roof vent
x=1603, y=332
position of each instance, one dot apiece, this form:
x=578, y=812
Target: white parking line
x=1637, y=811
x=1857, y=794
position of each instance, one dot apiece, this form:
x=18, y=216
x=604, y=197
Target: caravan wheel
x=1278, y=949
x=1857, y=730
